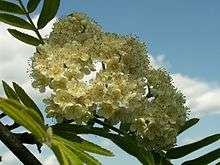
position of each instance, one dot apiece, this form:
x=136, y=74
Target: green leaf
x=24, y=37
x=26, y=100
x=10, y=7
x=125, y=127
x=73, y=158
x=25, y=117
x=84, y=144
x=85, y=158
x=32, y=5
x=178, y=152
x=58, y=152
x=165, y=162
x=126, y=144
x=64, y=155
x=15, y=21
x=49, y=10
x=188, y=124
x=205, y=159
x=35, y=116
x=131, y=146
x=147, y=157
x=65, y=131
x=9, y=92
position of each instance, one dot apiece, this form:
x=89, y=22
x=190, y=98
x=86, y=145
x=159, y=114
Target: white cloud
x=158, y=61
x=14, y=57
x=203, y=98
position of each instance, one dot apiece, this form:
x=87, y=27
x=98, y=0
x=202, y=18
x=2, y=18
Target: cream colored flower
x=92, y=72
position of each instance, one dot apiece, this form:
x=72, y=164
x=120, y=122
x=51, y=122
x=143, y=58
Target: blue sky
x=186, y=31
x=182, y=35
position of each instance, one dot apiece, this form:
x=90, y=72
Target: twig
x=2, y=115
x=18, y=149
x=13, y=126
x=28, y=138
x=82, y=129
x=31, y=22
x=109, y=126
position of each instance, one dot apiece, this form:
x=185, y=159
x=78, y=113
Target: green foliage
x=65, y=131
x=25, y=37
x=205, y=159
x=189, y=124
x=32, y=5
x=9, y=92
x=67, y=146
x=127, y=143
x=178, y=152
x=124, y=127
x=48, y=12
x=25, y=117
x=10, y=7
x=83, y=156
x=131, y=146
x=26, y=100
x=19, y=94
x=15, y=21
x=68, y=140
x=64, y=154
x=65, y=140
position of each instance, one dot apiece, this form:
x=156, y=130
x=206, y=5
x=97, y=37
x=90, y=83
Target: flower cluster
x=94, y=73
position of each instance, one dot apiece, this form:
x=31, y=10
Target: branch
x=18, y=149
x=31, y=22
x=13, y=126
x=10, y=127
x=108, y=126
x=82, y=129
x=2, y=115
x=28, y=138
x=100, y=122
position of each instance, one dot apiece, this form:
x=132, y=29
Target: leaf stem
x=2, y=115
x=18, y=149
x=31, y=22
x=13, y=126
x=109, y=126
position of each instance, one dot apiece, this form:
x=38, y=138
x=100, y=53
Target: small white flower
x=106, y=74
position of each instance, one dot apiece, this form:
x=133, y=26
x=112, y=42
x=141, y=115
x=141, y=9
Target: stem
x=10, y=127
x=28, y=138
x=81, y=129
x=18, y=149
x=108, y=126
x=13, y=126
x=2, y=115
x=96, y=120
x=126, y=143
x=31, y=22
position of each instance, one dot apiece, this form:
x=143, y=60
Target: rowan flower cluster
x=94, y=73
